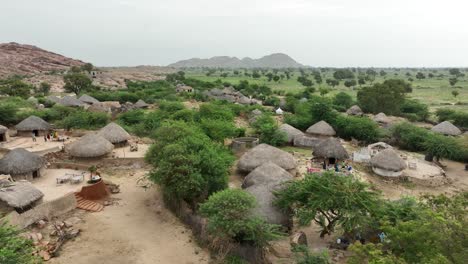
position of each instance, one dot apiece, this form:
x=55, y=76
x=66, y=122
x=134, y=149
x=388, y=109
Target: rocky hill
x=276, y=60
x=30, y=60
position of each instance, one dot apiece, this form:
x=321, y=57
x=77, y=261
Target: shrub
x=386, y=97
x=229, y=218
x=84, y=120
x=267, y=130
x=131, y=118
x=343, y=100
x=304, y=256
x=414, y=110
x=15, y=249
x=216, y=111
x=410, y=137
x=8, y=114
x=458, y=118
x=360, y=128
x=219, y=130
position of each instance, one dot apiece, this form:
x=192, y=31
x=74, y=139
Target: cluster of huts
x=231, y=95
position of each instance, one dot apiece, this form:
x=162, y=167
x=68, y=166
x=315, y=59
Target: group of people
x=338, y=167
x=47, y=137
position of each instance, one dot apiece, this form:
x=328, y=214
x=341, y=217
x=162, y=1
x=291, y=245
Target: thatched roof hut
x=33, y=123
x=321, y=128
x=140, y=104
x=266, y=174
x=114, y=133
x=290, y=131
x=3, y=129
x=265, y=205
x=388, y=163
x=447, y=128
x=20, y=161
x=355, y=110
x=381, y=118
x=19, y=195
x=264, y=153
x=89, y=146
x=53, y=98
x=304, y=141
x=330, y=148
x=88, y=99
x=70, y=101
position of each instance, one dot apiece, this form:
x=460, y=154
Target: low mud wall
x=46, y=210
x=81, y=164
x=95, y=191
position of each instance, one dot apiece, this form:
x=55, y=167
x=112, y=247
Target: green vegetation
x=76, y=82
x=266, y=127
x=15, y=249
x=386, y=97
x=304, y=256
x=458, y=118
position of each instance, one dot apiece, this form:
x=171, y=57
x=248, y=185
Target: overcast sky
x=340, y=33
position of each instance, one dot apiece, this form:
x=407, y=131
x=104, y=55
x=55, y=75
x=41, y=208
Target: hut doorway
x=3, y=137
x=35, y=174
x=331, y=160
x=36, y=132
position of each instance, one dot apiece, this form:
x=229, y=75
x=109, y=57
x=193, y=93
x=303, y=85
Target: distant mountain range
x=276, y=60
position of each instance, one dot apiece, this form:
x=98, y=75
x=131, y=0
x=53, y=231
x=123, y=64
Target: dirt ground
x=125, y=152
x=135, y=229
x=28, y=144
x=48, y=185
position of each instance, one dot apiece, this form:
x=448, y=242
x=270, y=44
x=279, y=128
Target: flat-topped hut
x=331, y=151
x=290, y=131
x=115, y=134
x=388, y=163
x=321, y=129
x=21, y=164
x=18, y=196
x=33, y=125
x=90, y=146
x=141, y=104
x=447, y=128
x=88, y=99
x=355, y=110
x=3, y=133
x=264, y=153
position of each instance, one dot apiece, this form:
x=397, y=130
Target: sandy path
x=137, y=230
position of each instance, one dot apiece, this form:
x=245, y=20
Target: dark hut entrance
x=3, y=137
x=36, y=132
x=331, y=160
x=35, y=174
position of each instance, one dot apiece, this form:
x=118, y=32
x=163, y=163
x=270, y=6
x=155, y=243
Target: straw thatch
x=355, y=110
x=20, y=161
x=330, y=148
x=290, y=131
x=256, y=112
x=99, y=108
x=19, y=194
x=140, y=104
x=3, y=129
x=305, y=141
x=90, y=146
x=267, y=174
x=33, y=123
x=381, y=118
x=321, y=128
x=447, y=128
x=88, y=99
x=265, y=205
x=114, y=133
x=264, y=153
x=70, y=101
x=388, y=159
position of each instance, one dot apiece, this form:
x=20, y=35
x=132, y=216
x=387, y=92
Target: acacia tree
x=330, y=200
x=76, y=82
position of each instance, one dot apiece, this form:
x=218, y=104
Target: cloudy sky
x=338, y=33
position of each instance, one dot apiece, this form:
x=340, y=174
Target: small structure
x=381, y=118
x=115, y=134
x=290, y=131
x=388, y=163
x=279, y=111
x=18, y=196
x=182, y=88
x=364, y=155
x=331, y=151
x=90, y=146
x=447, y=128
x=54, y=99
x=321, y=129
x=141, y=104
x=304, y=141
x=21, y=164
x=3, y=133
x=355, y=110
x=242, y=144
x=88, y=99
x=266, y=174
x=33, y=125
x=264, y=153
x=70, y=101
x=99, y=108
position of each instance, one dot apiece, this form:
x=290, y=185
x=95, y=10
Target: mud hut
x=321, y=129
x=446, y=128
x=3, y=133
x=331, y=151
x=18, y=196
x=33, y=125
x=90, y=146
x=141, y=104
x=388, y=163
x=70, y=101
x=88, y=99
x=355, y=110
x=304, y=141
x=264, y=153
x=381, y=118
x=290, y=131
x=115, y=134
x=22, y=164
x=266, y=174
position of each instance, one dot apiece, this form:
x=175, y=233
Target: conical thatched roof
x=256, y=112
x=330, y=148
x=381, y=118
x=3, y=129
x=114, y=133
x=90, y=146
x=267, y=174
x=388, y=159
x=264, y=153
x=88, y=99
x=140, y=104
x=33, y=123
x=321, y=128
x=19, y=194
x=290, y=131
x=265, y=205
x=20, y=161
x=70, y=101
x=355, y=110
x=305, y=141
x=447, y=128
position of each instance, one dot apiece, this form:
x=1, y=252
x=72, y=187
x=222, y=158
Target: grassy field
x=436, y=91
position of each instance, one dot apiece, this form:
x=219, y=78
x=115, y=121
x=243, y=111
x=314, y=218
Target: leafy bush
x=410, y=137
x=360, y=128
x=84, y=120
x=15, y=249
x=414, y=110
x=304, y=256
x=8, y=114
x=458, y=118
x=267, y=130
x=219, y=130
x=229, y=217
x=132, y=117
x=343, y=100
x=386, y=97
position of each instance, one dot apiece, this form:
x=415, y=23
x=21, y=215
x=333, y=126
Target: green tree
x=323, y=91
x=343, y=99
x=267, y=129
x=76, y=82
x=44, y=88
x=350, y=83
x=342, y=74
x=15, y=249
x=455, y=93
x=384, y=97
x=87, y=67
x=16, y=87
x=453, y=81
x=276, y=78
x=420, y=76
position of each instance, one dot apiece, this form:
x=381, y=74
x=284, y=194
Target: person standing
x=33, y=137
